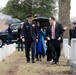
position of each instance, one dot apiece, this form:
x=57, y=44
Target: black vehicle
x=3, y=34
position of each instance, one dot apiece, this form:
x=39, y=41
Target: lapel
x=28, y=23
x=50, y=28
x=55, y=27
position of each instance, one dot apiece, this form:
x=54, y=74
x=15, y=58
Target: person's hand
x=17, y=38
x=59, y=38
x=48, y=38
x=65, y=27
x=45, y=41
x=23, y=39
x=41, y=29
x=74, y=25
x=36, y=40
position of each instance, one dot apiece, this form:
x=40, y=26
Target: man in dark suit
x=19, y=40
x=9, y=35
x=30, y=34
x=54, y=34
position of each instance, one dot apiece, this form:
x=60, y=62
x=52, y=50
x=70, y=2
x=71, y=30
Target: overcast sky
x=73, y=6
x=3, y=3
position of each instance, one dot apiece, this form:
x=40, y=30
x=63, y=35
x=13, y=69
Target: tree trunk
x=64, y=15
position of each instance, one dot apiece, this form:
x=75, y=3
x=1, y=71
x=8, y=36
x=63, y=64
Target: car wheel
x=1, y=42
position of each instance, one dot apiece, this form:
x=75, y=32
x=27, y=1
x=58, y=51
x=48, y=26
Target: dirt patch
x=12, y=71
x=16, y=65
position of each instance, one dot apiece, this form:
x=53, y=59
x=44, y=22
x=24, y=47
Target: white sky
x=3, y=3
x=73, y=6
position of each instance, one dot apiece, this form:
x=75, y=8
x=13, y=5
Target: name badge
x=27, y=26
x=33, y=25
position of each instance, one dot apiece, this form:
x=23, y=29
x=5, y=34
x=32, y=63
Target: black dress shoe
x=37, y=59
x=28, y=61
x=33, y=61
x=54, y=63
x=40, y=60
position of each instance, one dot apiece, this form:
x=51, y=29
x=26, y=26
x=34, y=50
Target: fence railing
x=6, y=51
x=70, y=54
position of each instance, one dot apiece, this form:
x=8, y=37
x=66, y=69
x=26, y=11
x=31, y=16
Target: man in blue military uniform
x=30, y=33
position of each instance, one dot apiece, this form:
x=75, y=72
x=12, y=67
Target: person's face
x=51, y=21
x=38, y=24
x=9, y=25
x=30, y=19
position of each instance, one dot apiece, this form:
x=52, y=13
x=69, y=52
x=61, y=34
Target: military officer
x=30, y=33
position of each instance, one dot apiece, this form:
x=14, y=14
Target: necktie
x=53, y=32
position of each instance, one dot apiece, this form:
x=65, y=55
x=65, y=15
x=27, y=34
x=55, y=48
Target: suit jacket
x=58, y=32
x=9, y=35
x=72, y=33
x=19, y=33
x=29, y=31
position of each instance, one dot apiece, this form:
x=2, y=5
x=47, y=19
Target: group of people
x=35, y=38
x=34, y=35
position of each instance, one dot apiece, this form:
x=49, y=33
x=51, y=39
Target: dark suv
x=3, y=33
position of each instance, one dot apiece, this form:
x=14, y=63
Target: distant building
x=3, y=19
x=4, y=16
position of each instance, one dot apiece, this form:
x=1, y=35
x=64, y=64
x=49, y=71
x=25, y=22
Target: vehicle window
x=6, y=29
x=14, y=27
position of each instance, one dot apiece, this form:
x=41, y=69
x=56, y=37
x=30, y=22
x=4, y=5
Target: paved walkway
x=16, y=65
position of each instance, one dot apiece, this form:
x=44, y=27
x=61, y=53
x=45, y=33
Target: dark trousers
x=20, y=45
x=30, y=45
x=9, y=40
x=48, y=51
x=38, y=56
x=55, y=50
